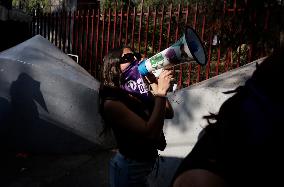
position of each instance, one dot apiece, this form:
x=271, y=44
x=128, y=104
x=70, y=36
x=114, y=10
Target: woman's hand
x=164, y=80
x=153, y=82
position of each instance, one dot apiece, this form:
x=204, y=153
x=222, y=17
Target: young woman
x=135, y=115
x=242, y=145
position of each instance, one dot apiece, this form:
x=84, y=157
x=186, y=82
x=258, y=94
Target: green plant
x=31, y=5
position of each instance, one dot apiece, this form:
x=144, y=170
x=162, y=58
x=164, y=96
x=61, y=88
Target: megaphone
x=188, y=47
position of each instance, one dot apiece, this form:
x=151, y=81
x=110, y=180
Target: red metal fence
x=233, y=34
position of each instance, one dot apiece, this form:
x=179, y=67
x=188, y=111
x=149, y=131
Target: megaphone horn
x=189, y=46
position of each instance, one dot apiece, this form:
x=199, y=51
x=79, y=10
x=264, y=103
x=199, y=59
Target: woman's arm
x=120, y=115
x=153, y=82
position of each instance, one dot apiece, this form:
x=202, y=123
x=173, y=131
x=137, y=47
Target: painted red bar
x=102, y=41
x=77, y=32
x=198, y=66
x=32, y=25
x=40, y=23
x=108, y=31
x=195, y=16
x=230, y=58
x=169, y=26
x=133, y=27
x=186, y=12
x=56, y=27
x=266, y=20
x=60, y=30
x=189, y=74
x=235, y=6
x=81, y=37
x=161, y=28
x=146, y=31
x=126, y=26
x=177, y=20
x=209, y=58
x=225, y=6
x=85, y=50
x=74, y=32
x=67, y=32
x=65, y=27
x=250, y=52
x=49, y=25
x=203, y=28
x=140, y=28
x=218, y=61
x=239, y=51
x=180, y=77
x=114, y=27
x=198, y=73
x=52, y=27
x=120, y=26
x=44, y=24
x=154, y=30
x=227, y=60
x=91, y=42
x=97, y=61
x=176, y=38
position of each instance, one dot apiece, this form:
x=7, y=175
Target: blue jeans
x=124, y=172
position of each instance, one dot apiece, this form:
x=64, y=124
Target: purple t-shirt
x=132, y=82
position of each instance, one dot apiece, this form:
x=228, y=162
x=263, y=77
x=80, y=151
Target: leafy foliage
x=31, y=5
x=105, y=4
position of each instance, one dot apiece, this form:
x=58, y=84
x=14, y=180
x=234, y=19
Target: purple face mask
x=133, y=82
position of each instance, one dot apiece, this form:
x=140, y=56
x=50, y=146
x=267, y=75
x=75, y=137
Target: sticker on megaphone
x=188, y=47
x=159, y=71
x=174, y=85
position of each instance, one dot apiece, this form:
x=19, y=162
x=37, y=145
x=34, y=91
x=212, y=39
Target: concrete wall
x=192, y=103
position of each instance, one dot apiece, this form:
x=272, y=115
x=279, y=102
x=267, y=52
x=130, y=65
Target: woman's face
x=125, y=65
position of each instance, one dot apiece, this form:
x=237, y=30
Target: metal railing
x=233, y=34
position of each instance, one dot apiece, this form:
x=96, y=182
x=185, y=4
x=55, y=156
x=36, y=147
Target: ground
x=76, y=170
x=87, y=169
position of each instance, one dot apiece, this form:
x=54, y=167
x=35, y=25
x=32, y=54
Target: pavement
x=83, y=169
x=75, y=170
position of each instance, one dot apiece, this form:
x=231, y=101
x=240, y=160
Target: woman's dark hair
x=111, y=79
x=265, y=80
x=242, y=142
x=111, y=71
